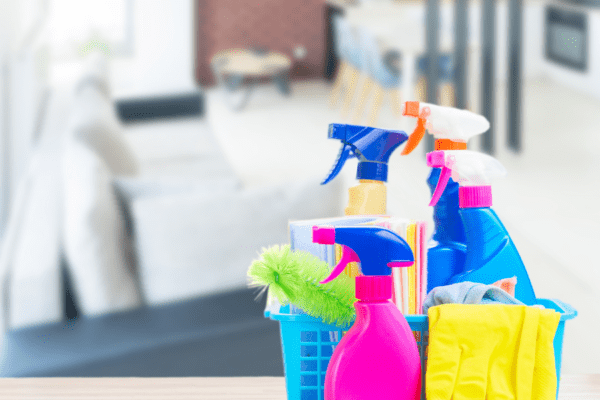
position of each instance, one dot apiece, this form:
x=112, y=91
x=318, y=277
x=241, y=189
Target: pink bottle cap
x=475, y=196
x=374, y=288
x=323, y=234
x=397, y=264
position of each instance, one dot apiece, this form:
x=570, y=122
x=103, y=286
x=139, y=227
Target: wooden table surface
x=249, y=63
x=572, y=387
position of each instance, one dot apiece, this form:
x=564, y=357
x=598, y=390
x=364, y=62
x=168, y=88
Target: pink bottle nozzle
x=400, y=264
x=475, y=196
x=324, y=234
x=436, y=159
x=374, y=247
x=348, y=256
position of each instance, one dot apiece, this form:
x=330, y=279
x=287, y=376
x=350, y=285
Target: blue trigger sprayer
x=373, y=148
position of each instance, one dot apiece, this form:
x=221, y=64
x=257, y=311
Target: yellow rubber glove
x=461, y=343
x=490, y=352
x=511, y=374
x=533, y=372
x=545, y=384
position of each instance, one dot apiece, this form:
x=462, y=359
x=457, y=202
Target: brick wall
x=279, y=25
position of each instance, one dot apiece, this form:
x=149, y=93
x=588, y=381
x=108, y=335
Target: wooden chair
x=351, y=67
x=381, y=76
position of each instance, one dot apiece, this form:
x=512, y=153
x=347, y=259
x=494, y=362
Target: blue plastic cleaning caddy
x=307, y=345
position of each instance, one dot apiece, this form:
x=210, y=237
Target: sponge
x=293, y=277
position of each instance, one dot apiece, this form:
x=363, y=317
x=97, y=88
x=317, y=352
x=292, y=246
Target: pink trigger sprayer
x=378, y=357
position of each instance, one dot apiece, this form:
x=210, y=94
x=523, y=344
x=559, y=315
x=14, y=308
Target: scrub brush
x=293, y=277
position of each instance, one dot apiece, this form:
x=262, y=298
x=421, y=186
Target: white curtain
x=8, y=22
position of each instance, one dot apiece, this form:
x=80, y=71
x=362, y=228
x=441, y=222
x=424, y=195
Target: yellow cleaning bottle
x=367, y=198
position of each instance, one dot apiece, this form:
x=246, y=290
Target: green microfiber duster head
x=293, y=277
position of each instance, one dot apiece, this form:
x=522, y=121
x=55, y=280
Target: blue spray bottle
x=491, y=253
x=451, y=128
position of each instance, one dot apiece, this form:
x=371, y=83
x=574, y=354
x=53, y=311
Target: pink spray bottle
x=378, y=357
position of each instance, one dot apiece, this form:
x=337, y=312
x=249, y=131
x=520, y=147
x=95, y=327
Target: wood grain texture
x=573, y=387
x=579, y=387
x=143, y=388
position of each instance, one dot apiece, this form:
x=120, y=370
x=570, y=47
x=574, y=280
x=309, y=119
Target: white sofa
x=198, y=243
x=196, y=233
x=193, y=225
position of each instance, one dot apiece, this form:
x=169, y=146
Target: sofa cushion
x=195, y=244
x=93, y=121
x=30, y=254
x=95, y=235
x=131, y=189
x=31, y=280
x=183, y=149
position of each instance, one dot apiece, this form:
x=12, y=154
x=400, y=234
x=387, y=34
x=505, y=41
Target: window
x=77, y=27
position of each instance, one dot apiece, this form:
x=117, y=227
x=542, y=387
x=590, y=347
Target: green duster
x=293, y=277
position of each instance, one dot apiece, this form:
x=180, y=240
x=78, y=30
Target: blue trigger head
x=345, y=153
x=372, y=146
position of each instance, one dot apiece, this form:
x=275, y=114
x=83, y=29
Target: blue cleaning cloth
x=468, y=293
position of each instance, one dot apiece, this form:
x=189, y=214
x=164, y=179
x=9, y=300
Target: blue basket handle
x=568, y=311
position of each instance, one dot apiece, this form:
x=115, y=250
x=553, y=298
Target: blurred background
x=149, y=150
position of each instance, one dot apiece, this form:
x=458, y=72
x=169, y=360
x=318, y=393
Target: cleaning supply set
x=333, y=353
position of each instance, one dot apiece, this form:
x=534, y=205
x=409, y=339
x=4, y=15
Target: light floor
x=547, y=201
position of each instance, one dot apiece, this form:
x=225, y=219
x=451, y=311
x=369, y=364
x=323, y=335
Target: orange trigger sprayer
x=411, y=109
